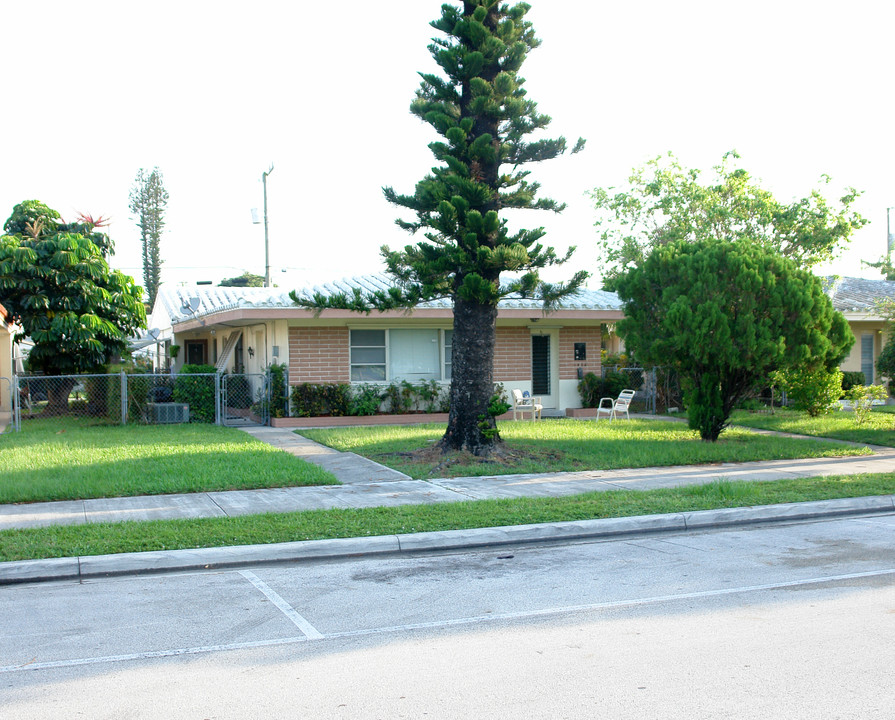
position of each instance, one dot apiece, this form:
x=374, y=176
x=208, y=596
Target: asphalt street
x=794, y=620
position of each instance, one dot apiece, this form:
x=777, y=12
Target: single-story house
x=857, y=299
x=246, y=329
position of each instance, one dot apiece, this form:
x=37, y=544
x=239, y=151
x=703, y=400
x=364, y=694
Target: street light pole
x=266, y=242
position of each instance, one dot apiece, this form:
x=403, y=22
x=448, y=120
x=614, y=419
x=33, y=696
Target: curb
x=99, y=566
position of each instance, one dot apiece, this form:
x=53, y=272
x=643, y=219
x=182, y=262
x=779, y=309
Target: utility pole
x=266, y=242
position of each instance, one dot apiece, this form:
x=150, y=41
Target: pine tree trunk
x=472, y=379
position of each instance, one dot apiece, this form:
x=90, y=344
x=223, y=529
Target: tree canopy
x=148, y=202
x=247, y=279
x=479, y=108
x=58, y=287
x=726, y=315
x=26, y=215
x=665, y=202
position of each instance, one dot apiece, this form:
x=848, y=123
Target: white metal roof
x=174, y=302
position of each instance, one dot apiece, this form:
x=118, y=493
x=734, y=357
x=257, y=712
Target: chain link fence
x=245, y=399
x=140, y=398
x=656, y=389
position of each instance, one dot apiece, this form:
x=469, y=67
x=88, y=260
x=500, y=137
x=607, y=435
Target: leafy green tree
x=247, y=279
x=885, y=363
x=481, y=111
x=26, y=214
x=59, y=288
x=726, y=315
x=148, y=202
x=664, y=203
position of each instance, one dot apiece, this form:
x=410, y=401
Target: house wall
x=318, y=354
x=512, y=355
x=5, y=366
x=877, y=328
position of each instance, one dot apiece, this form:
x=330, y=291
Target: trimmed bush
x=194, y=385
x=591, y=388
x=815, y=392
x=315, y=399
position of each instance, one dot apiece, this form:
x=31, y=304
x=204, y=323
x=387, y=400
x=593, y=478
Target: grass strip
x=54, y=462
x=98, y=539
x=558, y=445
x=879, y=429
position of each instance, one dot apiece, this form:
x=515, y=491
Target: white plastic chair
x=612, y=408
x=522, y=405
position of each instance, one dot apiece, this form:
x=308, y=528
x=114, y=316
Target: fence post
x=16, y=404
x=217, y=398
x=123, y=398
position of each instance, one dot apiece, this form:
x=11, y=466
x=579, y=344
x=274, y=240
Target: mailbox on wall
x=580, y=352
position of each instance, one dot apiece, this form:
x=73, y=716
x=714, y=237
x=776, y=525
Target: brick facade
x=322, y=354
x=318, y=354
x=568, y=336
x=512, y=355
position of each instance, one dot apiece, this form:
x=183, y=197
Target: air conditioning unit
x=163, y=413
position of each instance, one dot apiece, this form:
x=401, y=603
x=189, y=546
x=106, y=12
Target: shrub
x=314, y=399
x=850, y=379
x=276, y=374
x=815, y=392
x=591, y=388
x=400, y=397
x=862, y=397
x=365, y=400
x=194, y=385
x=885, y=363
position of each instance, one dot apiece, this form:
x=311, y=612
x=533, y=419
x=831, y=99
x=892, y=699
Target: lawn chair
x=611, y=408
x=525, y=404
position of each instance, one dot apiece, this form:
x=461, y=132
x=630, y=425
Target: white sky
x=214, y=92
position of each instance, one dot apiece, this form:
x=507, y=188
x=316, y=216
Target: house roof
x=851, y=294
x=210, y=300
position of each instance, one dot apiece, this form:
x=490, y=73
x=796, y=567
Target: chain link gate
x=245, y=399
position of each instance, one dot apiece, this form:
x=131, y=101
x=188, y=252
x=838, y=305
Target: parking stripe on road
x=309, y=630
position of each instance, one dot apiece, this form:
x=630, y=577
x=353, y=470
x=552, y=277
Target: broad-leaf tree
x=247, y=279
x=148, y=202
x=26, y=214
x=59, y=288
x=726, y=315
x=478, y=106
x=664, y=202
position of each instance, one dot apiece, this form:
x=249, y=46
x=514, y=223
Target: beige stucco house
x=858, y=300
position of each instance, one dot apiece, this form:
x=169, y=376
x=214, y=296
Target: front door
x=196, y=352
x=543, y=380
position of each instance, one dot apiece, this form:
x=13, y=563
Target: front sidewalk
x=369, y=484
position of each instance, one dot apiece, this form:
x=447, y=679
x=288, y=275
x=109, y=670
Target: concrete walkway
x=368, y=484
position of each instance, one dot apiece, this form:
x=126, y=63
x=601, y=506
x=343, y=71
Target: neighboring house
x=246, y=329
x=856, y=299
x=6, y=345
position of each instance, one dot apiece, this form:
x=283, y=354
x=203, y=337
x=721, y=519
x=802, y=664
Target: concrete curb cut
x=95, y=566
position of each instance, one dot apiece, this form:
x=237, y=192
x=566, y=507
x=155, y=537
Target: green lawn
x=64, y=462
x=565, y=444
x=879, y=429
x=70, y=541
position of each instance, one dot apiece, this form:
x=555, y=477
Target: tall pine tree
x=148, y=201
x=479, y=108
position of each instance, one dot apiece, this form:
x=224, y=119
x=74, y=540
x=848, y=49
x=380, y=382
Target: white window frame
x=444, y=360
